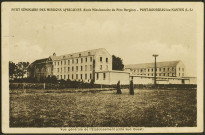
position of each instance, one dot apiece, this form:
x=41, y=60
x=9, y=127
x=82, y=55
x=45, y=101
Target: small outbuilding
x=112, y=77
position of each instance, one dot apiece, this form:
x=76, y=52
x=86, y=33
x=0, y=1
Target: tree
x=12, y=69
x=22, y=69
x=117, y=63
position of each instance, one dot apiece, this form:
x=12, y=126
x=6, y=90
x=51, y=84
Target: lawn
x=147, y=108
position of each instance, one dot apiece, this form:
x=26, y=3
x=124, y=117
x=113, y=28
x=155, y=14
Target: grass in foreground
x=147, y=108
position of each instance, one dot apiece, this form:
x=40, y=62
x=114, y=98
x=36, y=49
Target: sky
x=133, y=36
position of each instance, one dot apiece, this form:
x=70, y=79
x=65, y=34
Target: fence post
x=44, y=86
x=24, y=90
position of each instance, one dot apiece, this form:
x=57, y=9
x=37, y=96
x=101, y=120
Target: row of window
x=157, y=69
x=43, y=70
x=73, y=61
x=104, y=76
x=77, y=61
x=72, y=68
x=75, y=76
x=77, y=68
x=101, y=59
x=164, y=74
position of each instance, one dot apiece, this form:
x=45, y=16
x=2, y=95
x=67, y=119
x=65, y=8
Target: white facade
x=166, y=69
x=81, y=66
x=112, y=77
x=163, y=80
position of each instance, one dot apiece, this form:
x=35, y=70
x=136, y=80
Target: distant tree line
x=18, y=70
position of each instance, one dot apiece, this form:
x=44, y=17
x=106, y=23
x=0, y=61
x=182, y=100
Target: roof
x=75, y=55
x=41, y=61
x=151, y=65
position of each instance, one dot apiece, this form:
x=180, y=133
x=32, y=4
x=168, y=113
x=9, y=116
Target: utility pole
x=155, y=68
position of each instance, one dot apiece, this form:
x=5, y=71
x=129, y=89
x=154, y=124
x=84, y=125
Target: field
x=62, y=108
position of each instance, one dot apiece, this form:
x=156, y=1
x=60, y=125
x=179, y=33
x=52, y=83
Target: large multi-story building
x=168, y=69
x=79, y=66
x=41, y=68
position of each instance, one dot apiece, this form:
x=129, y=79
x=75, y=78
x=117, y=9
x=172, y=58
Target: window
x=72, y=60
x=68, y=77
x=179, y=74
x=64, y=62
x=182, y=74
x=58, y=69
x=152, y=69
x=106, y=59
x=88, y=53
x=72, y=76
x=85, y=67
x=64, y=69
x=159, y=74
x=61, y=62
x=152, y=74
x=76, y=68
x=183, y=69
x=97, y=76
x=58, y=63
x=55, y=63
x=86, y=76
x=173, y=69
x=164, y=69
x=81, y=76
x=61, y=71
x=68, y=62
x=104, y=76
x=159, y=69
x=90, y=67
x=76, y=76
x=61, y=77
x=100, y=59
x=148, y=70
x=86, y=59
x=64, y=77
x=168, y=74
x=81, y=68
x=72, y=68
x=91, y=59
x=179, y=68
x=81, y=60
x=173, y=74
x=167, y=69
x=100, y=67
x=79, y=55
x=141, y=70
x=57, y=76
x=90, y=76
x=148, y=74
x=68, y=68
x=76, y=60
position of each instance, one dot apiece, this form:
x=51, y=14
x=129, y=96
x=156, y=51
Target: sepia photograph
x=102, y=67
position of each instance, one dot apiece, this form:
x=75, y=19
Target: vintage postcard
x=102, y=67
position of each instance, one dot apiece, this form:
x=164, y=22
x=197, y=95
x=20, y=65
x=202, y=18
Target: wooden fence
x=101, y=86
